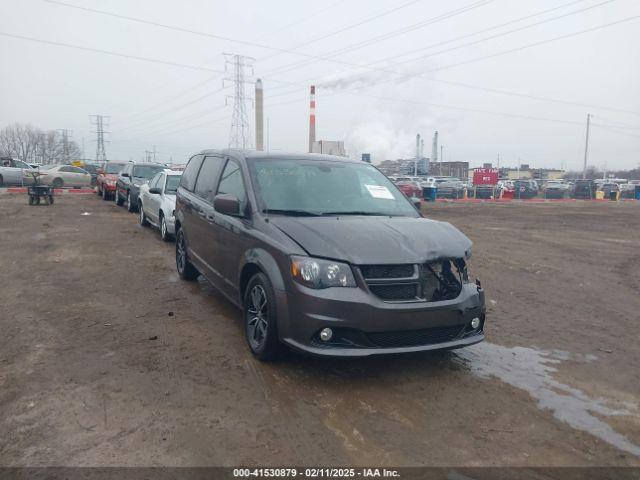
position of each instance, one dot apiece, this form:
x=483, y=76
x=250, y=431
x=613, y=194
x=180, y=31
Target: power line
x=169, y=99
x=395, y=33
x=351, y=26
x=465, y=85
x=108, y=52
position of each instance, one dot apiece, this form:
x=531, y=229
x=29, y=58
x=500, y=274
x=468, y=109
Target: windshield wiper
x=357, y=212
x=292, y=213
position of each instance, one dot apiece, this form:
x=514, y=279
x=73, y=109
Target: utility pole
x=441, y=150
x=586, y=148
x=100, y=121
x=154, y=153
x=240, y=136
x=65, y=144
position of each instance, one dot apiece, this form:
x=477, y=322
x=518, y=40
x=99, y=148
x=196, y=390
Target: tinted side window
x=206, y=183
x=190, y=173
x=66, y=169
x=231, y=182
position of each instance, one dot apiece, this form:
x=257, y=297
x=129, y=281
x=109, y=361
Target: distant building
x=402, y=166
x=329, y=147
x=450, y=169
x=526, y=172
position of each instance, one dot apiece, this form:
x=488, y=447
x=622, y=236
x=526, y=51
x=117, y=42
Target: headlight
x=317, y=273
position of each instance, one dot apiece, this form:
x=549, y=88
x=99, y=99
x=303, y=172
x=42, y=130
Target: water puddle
x=532, y=370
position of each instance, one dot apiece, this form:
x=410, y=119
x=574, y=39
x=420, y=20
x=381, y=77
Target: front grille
x=399, y=291
x=414, y=338
x=387, y=271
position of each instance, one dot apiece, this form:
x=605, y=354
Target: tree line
x=35, y=145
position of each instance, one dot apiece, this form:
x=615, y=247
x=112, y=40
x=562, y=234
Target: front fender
x=265, y=261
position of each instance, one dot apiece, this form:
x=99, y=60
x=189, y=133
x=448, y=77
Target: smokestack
x=434, y=151
x=312, y=118
x=259, y=116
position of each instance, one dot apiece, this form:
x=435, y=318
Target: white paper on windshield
x=379, y=191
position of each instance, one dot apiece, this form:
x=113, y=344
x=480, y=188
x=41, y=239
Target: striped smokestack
x=312, y=118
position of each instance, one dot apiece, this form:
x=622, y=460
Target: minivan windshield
x=320, y=187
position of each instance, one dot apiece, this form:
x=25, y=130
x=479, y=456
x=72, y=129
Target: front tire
x=186, y=270
x=130, y=206
x=105, y=195
x=119, y=201
x=163, y=229
x=142, y=217
x=57, y=183
x=261, y=325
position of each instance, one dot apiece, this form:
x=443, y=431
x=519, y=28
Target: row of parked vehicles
x=15, y=172
x=450, y=187
x=306, y=246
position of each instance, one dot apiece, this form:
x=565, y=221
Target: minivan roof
x=257, y=155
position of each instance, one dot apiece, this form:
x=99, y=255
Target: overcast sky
x=432, y=46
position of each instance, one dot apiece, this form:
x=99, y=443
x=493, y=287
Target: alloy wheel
x=258, y=317
x=181, y=254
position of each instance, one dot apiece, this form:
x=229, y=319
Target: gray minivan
x=324, y=254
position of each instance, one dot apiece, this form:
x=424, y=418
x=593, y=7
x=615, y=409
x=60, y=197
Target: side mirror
x=125, y=174
x=227, y=204
x=155, y=190
x=416, y=203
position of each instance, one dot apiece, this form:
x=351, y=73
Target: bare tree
x=33, y=145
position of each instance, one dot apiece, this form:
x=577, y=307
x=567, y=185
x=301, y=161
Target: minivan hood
x=375, y=240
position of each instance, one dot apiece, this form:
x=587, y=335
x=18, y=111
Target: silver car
x=59, y=176
x=157, y=202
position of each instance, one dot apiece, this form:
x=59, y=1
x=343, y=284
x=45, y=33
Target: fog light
x=326, y=334
x=475, y=323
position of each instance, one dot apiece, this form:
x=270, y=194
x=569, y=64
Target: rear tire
x=1, y=181
x=261, y=325
x=185, y=269
x=50, y=199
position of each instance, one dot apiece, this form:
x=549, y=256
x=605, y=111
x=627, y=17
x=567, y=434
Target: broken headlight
x=319, y=273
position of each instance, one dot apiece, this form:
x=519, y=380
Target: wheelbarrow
x=35, y=191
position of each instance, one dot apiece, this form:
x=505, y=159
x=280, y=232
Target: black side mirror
x=155, y=190
x=125, y=174
x=416, y=203
x=227, y=204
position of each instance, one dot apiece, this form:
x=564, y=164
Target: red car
x=107, y=177
x=410, y=189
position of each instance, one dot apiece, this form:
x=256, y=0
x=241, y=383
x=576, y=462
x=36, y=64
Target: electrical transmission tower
x=100, y=121
x=65, y=144
x=240, y=136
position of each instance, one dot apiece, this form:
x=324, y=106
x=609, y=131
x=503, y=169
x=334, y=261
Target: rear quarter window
x=188, y=180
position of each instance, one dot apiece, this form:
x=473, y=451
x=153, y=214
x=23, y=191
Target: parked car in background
x=107, y=178
x=59, y=176
x=410, y=188
x=555, y=189
x=628, y=190
x=157, y=202
x=12, y=172
x=451, y=188
x=583, y=189
x=525, y=189
x=94, y=170
x=324, y=254
x=132, y=176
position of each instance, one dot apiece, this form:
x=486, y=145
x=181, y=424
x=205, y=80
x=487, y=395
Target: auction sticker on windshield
x=379, y=191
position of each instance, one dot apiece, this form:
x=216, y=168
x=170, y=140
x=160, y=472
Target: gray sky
x=376, y=111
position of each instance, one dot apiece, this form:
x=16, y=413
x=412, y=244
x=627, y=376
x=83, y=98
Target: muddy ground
x=106, y=358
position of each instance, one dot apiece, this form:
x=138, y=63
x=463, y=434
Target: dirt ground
x=107, y=358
